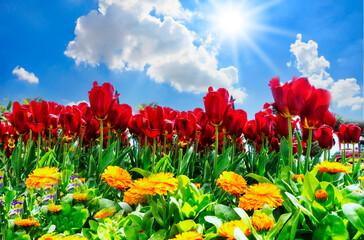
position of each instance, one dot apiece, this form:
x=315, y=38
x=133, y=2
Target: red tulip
x=216, y=104
x=155, y=119
x=250, y=131
x=353, y=133
x=207, y=137
x=71, y=120
x=136, y=123
x=289, y=99
x=18, y=118
x=119, y=116
x=275, y=144
x=168, y=126
x=234, y=122
x=92, y=130
x=315, y=108
x=201, y=118
x=305, y=134
x=342, y=134
x=281, y=126
x=264, y=120
x=329, y=119
x=185, y=126
x=39, y=116
x=101, y=98
x=325, y=137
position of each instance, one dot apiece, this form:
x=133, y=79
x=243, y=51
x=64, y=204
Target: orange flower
x=116, y=177
x=42, y=177
x=159, y=183
x=227, y=229
x=232, y=183
x=191, y=235
x=81, y=196
x=74, y=237
x=50, y=236
x=257, y=195
x=262, y=222
x=332, y=167
x=26, y=222
x=297, y=176
x=106, y=212
x=361, y=178
x=54, y=208
x=197, y=185
x=321, y=195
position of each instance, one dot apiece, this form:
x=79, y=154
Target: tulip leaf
x=183, y=168
x=355, y=213
x=222, y=163
x=260, y=179
x=310, y=185
x=107, y=158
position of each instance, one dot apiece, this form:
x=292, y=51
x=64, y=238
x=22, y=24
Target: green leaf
x=284, y=149
x=80, y=218
x=159, y=235
x=310, y=185
x=222, y=163
x=239, y=235
x=226, y=213
x=260, y=179
x=279, y=225
x=107, y=158
x=207, y=172
x=331, y=227
x=183, y=168
x=142, y=172
x=355, y=213
x=217, y=222
x=91, y=166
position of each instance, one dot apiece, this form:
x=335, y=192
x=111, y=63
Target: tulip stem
x=216, y=149
x=353, y=159
x=101, y=140
x=233, y=150
x=29, y=142
x=195, y=157
x=118, y=138
x=83, y=128
x=308, y=152
x=108, y=136
x=49, y=139
x=290, y=148
x=153, y=157
x=164, y=143
x=18, y=163
x=38, y=149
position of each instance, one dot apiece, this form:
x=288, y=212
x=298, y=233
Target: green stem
x=164, y=143
x=29, y=142
x=118, y=136
x=216, y=149
x=153, y=157
x=101, y=140
x=353, y=164
x=81, y=140
x=233, y=150
x=49, y=139
x=108, y=136
x=195, y=157
x=38, y=149
x=290, y=146
x=18, y=160
x=222, y=195
x=308, y=152
x=332, y=179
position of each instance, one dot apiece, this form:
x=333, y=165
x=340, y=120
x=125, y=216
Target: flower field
x=105, y=171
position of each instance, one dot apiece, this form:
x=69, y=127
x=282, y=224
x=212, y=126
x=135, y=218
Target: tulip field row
x=103, y=171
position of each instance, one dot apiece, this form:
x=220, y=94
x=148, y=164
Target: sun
x=232, y=21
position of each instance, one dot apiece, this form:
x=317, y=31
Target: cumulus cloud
x=344, y=91
x=309, y=63
x=76, y=103
x=151, y=35
x=22, y=74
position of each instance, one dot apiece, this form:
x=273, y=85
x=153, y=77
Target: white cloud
x=151, y=35
x=22, y=74
x=76, y=103
x=344, y=91
x=309, y=64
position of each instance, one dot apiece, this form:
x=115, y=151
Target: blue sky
x=170, y=51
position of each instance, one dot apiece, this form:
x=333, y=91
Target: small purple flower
x=49, y=198
x=15, y=211
x=1, y=201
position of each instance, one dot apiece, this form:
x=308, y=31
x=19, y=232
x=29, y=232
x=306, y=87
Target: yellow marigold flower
x=54, y=208
x=321, y=195
x=262, y=221
x=257, y=195
x=161, y=183
x=227, y=229
x=106, y=212
x=297, y=176
x=74, y=237
x=26, y=222
x=332, y=167
x=42, y=177
x=116, y=177
x=191, y=235
x=81, y=196
x=197, y=185
x=50, y=236
x=361, y=178
x=232, y=183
